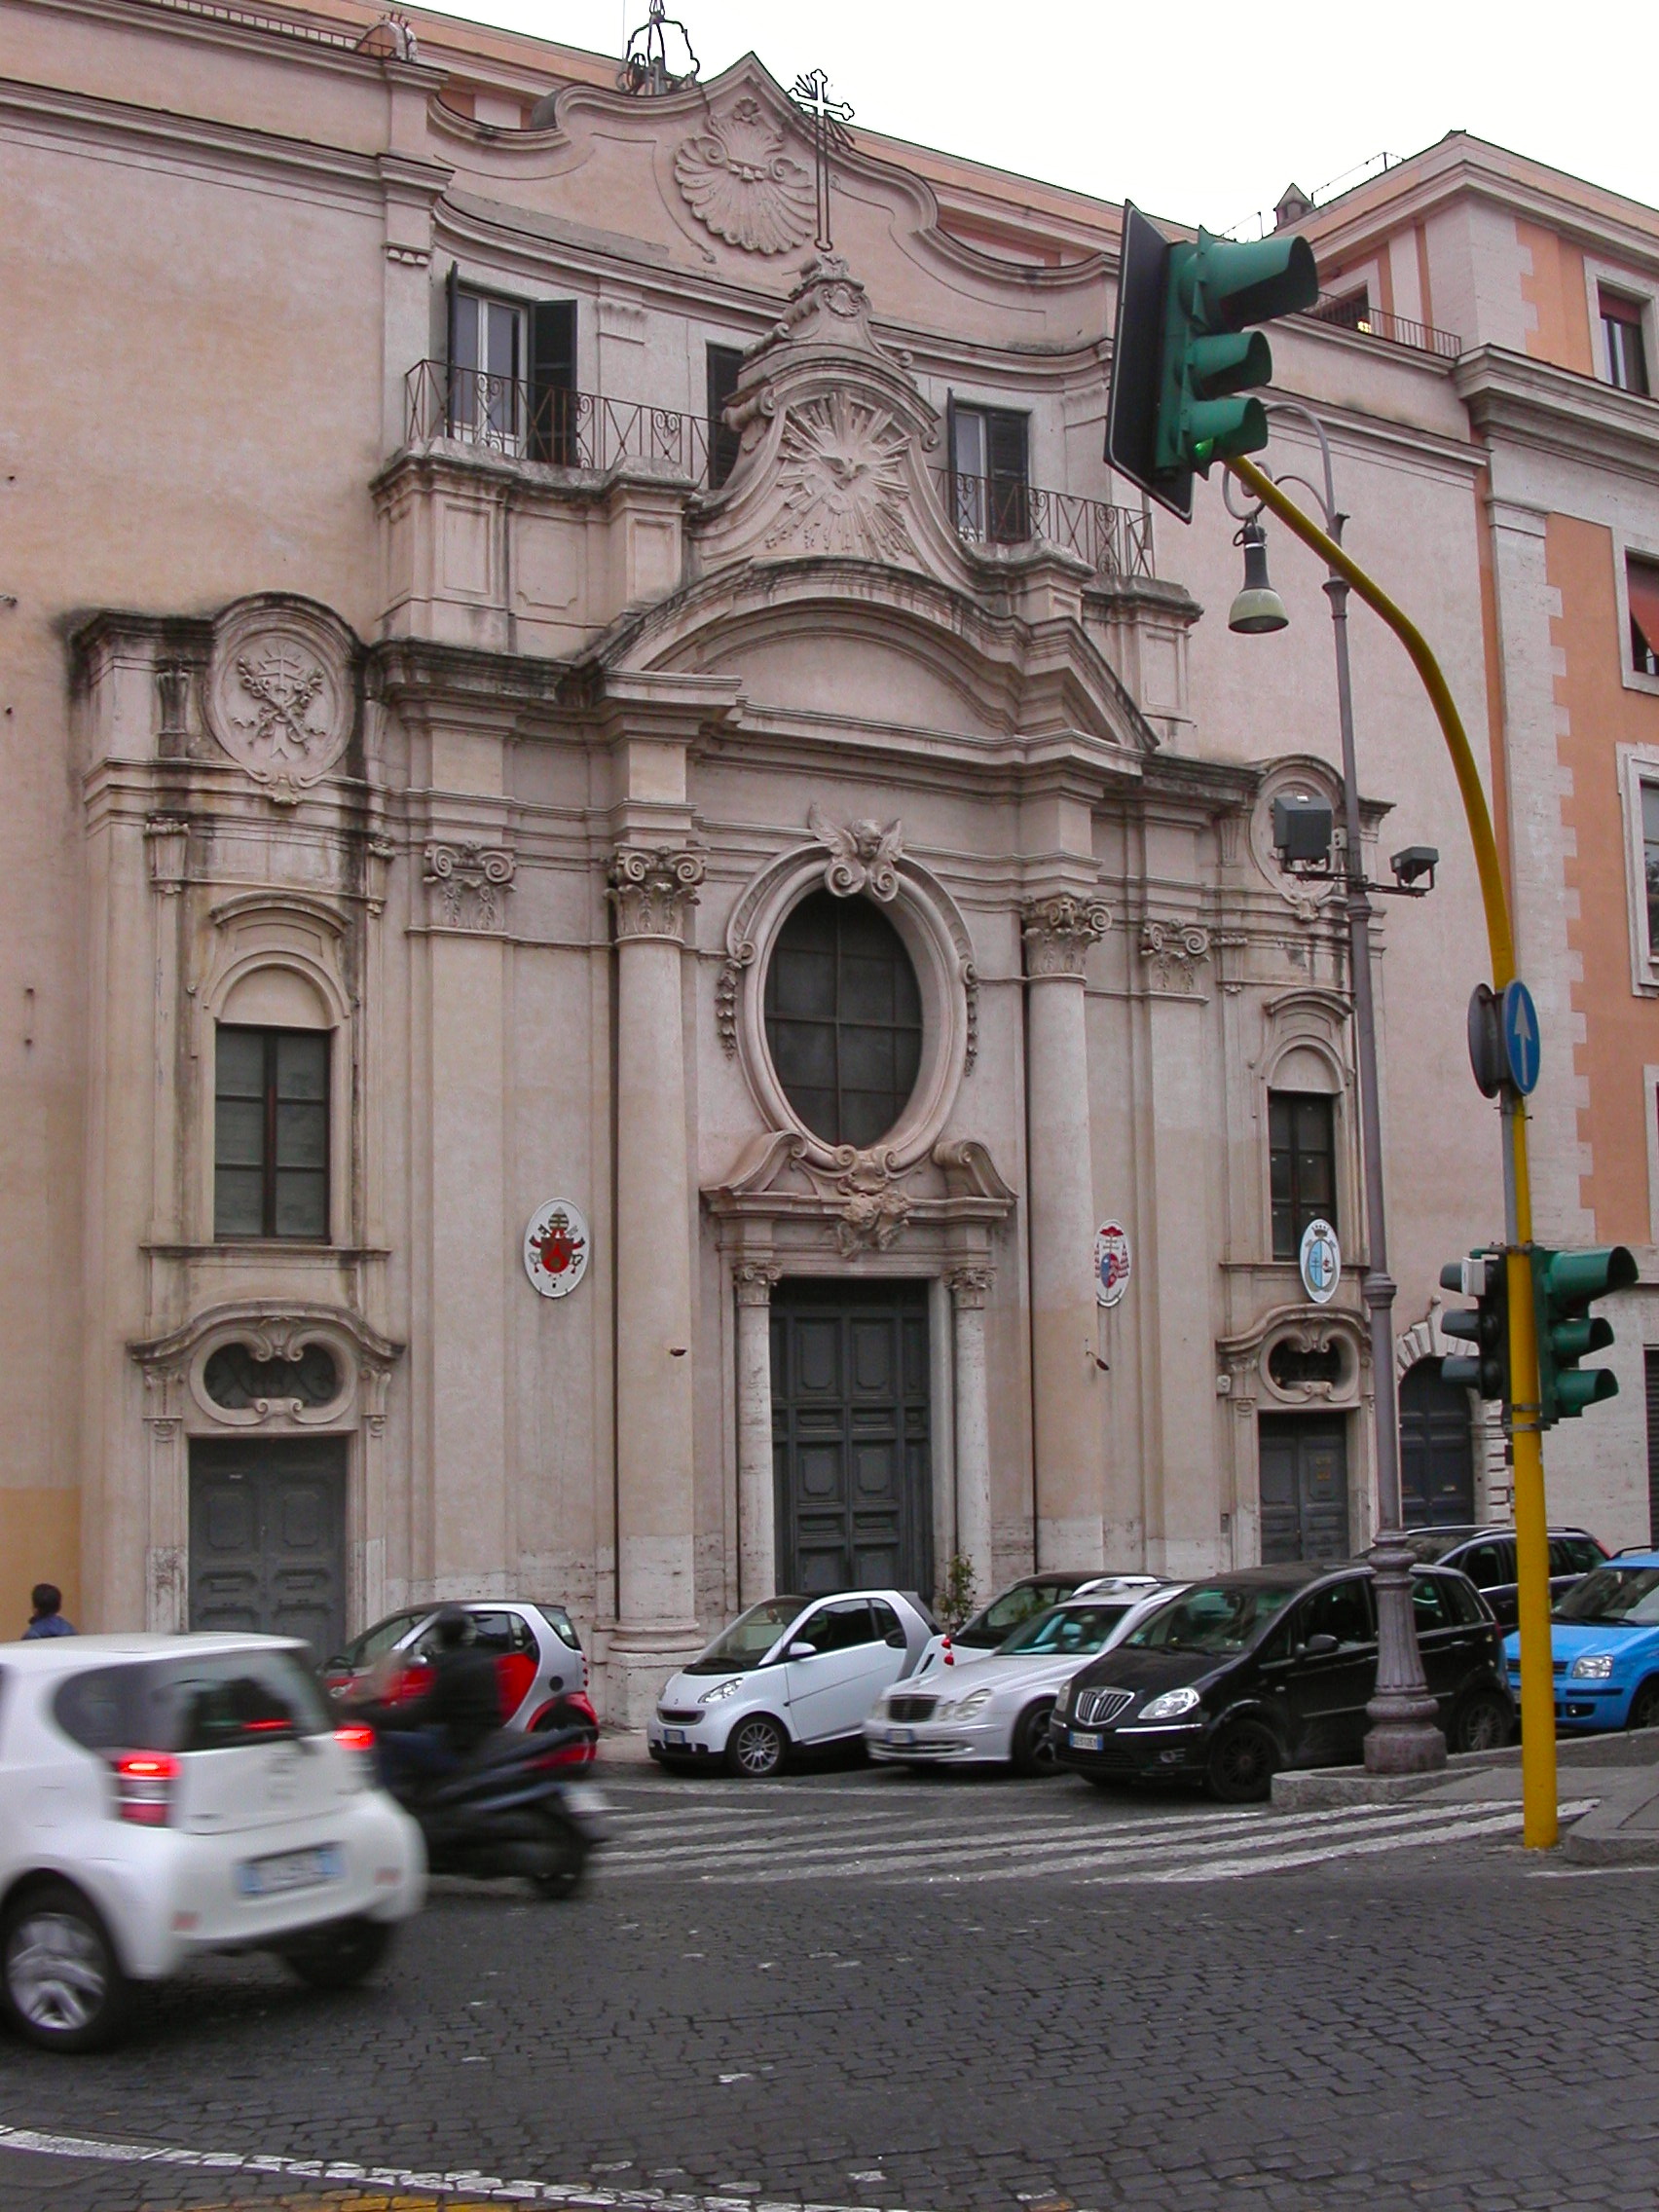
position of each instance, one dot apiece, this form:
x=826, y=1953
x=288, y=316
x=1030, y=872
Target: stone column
x=968, y=1288
x=651, y=892
x=757, y=1509
x=1058, y=932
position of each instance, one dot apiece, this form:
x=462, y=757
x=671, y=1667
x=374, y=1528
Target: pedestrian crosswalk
x=887, y=1830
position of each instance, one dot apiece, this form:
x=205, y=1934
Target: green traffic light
x=1565, y=1286
x=1214, y=289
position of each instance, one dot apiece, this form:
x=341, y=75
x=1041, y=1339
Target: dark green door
x=1437, y=1456
x=1303, y=1460
x=850, y=1422
x=268, y=1536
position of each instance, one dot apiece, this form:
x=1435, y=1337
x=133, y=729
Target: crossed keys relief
x=278, y=707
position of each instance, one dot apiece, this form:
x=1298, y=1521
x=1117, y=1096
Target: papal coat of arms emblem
x=556, y=1247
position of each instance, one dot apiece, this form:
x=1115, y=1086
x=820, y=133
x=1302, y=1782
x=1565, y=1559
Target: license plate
x=290, y=1870
x=673, y=1736
x=901, y=1739
x=1080, y=1741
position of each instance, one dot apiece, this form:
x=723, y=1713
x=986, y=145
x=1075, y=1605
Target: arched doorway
x=1437, y=1455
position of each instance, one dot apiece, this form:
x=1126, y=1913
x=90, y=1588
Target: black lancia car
x=1272, y=1667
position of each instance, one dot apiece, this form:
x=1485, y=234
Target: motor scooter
x=509, y=1809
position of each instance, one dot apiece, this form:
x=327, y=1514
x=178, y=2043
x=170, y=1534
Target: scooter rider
x=433, y=1733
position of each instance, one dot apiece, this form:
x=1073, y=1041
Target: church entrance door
x=268, y=1536
x=850, y=1436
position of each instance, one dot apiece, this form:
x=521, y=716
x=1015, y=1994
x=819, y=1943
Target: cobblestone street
x=857, y=1990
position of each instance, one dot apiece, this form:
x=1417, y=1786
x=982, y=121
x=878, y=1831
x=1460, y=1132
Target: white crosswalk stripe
x=864, y=1832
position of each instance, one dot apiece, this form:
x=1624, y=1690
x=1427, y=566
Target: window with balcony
x=1624, y=343
x=990, y=476
x=271, y=1133
x=725, y=365
x=1302, y=1141
x=511, y=374
x=1641, y=595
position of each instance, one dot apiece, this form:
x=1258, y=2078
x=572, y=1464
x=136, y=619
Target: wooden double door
x=851, y=1444
x=268, y=1536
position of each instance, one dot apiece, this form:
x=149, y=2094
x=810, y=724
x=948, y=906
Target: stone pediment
x=839, y=452
x=718, y=176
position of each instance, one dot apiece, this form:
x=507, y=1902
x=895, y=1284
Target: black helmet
x=452, y=1628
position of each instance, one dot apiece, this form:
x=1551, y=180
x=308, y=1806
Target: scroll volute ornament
x=1058, y=932
x=653, y=889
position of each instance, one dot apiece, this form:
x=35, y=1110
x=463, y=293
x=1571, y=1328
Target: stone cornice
x=1512, y=398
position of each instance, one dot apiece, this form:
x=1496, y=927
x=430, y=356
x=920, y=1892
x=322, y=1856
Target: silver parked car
x=790, y=1671
x=996, y=1712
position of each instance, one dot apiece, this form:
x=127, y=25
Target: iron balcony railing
x=1353, y=314
x=582, y=429
x=1001, y=510
x=530, y=422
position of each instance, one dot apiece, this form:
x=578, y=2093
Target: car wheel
x=1033, y=1751
x=1242, y=1764
x=1483, y=1722
x=1644, y=1706
x=65, y=1986
x=564, y=1855
x=754, y=1748
x=340, y=1955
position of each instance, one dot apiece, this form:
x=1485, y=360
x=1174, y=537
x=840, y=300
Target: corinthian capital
x=1059, y=930
x=653, y=890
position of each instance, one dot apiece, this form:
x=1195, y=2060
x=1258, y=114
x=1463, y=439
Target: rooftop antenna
x=645, y=67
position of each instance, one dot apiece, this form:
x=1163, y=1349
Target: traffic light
x=1564, y=1286
x=1182, y=348
x=1483, y=1277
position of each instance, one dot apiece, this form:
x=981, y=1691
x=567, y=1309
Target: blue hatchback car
x=1604, y=1643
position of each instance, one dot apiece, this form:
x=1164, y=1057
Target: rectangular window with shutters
x=1623, y=341
x=271, y=1133
x=512, y=375
x=990, y=474
x=1302, y=1145
x=725, y=365
x=1641, y=595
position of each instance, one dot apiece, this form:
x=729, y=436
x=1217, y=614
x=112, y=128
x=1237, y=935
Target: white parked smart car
x=791, y=1671
x=163, y=1795
x=996, y=1712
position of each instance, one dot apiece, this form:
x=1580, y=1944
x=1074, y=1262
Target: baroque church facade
x=651, y=864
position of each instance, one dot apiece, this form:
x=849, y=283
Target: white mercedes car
x=996, y=1712
x=1023, y=1601
x=790, y=1671
x=165, y=1796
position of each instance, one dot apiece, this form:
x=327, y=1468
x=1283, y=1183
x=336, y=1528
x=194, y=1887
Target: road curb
x=1320, y=1789
x=1622, y=1830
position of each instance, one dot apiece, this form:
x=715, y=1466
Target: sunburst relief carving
x=842, y=471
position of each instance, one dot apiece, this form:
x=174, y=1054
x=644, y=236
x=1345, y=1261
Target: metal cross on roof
x=827, y=120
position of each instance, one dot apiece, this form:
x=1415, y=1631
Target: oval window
x=843, y=1019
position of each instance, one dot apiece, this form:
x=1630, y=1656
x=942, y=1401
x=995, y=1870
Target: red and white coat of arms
x=556, y=1247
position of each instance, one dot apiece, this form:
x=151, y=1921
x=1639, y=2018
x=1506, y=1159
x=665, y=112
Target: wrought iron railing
x=1000, y=510
x=528, y=421
x=582, y=429
x=1354, y=314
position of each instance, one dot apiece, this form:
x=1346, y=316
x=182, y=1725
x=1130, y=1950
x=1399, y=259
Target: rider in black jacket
x=436, y=1731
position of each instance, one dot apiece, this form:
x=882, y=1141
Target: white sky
x=1142, y=101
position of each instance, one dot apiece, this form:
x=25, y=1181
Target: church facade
x=659, y=882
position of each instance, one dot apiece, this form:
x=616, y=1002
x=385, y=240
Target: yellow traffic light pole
x=1539, y=1826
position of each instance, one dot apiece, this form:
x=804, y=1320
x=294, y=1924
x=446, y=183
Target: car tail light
x=145, y=1786
x=355, y=1736
x=947, y=1655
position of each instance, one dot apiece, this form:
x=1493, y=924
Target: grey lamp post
x=1404, y=1737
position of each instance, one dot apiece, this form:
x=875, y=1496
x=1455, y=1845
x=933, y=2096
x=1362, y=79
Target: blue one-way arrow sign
x=1522, y=1046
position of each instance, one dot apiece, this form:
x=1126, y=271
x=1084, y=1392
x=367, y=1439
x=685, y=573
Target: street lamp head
x=1258, y=607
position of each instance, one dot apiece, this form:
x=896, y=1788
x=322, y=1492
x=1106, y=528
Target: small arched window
x=843, y=1019
x=271, y=1109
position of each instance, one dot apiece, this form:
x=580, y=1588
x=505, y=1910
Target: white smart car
x=996, y=1712
x=791, y=1671
x=164, y=1795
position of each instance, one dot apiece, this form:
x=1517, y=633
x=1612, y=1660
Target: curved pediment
x=854, y=645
